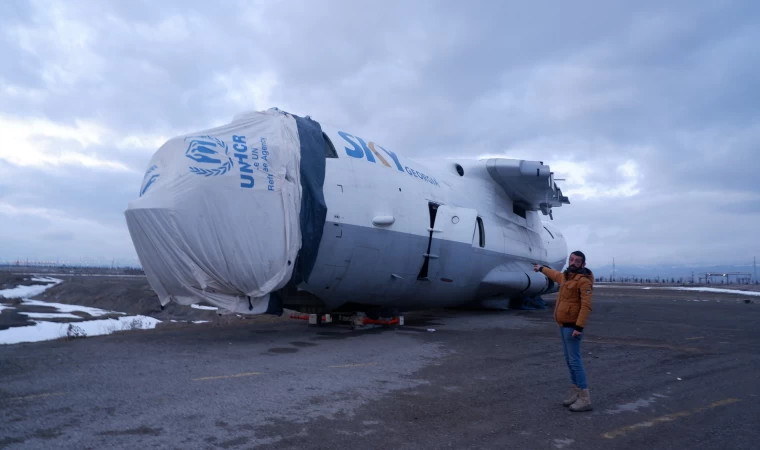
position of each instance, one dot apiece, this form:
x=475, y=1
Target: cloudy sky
x=650, y=110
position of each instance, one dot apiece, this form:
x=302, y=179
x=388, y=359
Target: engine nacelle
x=537, y=284
x=517, y=282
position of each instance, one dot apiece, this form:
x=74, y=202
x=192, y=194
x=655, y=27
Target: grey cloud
x=721, y=160
x=743, y=207
x=681, y=228
x=670, y=87
x=58, y=235
x=79, y=192
x=90, y=240
x=130, y=74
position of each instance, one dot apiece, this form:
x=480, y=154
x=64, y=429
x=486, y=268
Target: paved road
x=665, y=372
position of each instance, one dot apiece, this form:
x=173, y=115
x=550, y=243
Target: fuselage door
x=453, y=244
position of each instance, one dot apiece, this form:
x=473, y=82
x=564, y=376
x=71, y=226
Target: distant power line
x=91, y=263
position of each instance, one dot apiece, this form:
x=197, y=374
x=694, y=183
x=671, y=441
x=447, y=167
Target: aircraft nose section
x=218, y=214
x=232, y=257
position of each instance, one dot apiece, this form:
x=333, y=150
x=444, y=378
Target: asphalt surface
x=667, y=370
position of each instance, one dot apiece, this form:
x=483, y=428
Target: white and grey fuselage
x=413, y=234
x=273, y=210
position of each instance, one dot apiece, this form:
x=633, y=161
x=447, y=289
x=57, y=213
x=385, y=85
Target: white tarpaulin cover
x=218, y=214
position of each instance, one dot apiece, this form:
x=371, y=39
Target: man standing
x=571, y=312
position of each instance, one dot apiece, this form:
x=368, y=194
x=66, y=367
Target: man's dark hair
x=580, y=253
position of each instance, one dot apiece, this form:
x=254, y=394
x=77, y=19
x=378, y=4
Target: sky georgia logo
x=211, y=152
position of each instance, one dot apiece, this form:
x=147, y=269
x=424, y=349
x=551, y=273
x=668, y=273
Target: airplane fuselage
x=276, y=211
x=412, y=234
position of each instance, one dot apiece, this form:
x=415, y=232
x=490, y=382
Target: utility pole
x=613, y=268
x=754, y=268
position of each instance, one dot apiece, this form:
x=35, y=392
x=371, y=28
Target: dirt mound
x=133, y=295
x=129, y=294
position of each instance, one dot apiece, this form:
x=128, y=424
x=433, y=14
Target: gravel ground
x=667, y=369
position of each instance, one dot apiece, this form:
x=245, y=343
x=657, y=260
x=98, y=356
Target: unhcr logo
x=211, y=152
x=148, y=181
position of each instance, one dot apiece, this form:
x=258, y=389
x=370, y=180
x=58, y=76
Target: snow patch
x=635, y=406
x=723, y=291
x=95, y=312
x=47, y=280
x=30, y=291
x=46, y=331
x=2, y=307
x=33, y=315
x=683, y=288
x=207, y=308
x=24, y=291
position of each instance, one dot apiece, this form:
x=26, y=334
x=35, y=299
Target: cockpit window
x=329, y=148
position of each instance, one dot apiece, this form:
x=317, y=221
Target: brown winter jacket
x=574, y=299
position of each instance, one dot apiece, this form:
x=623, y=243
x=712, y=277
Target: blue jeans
x=572, y=347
